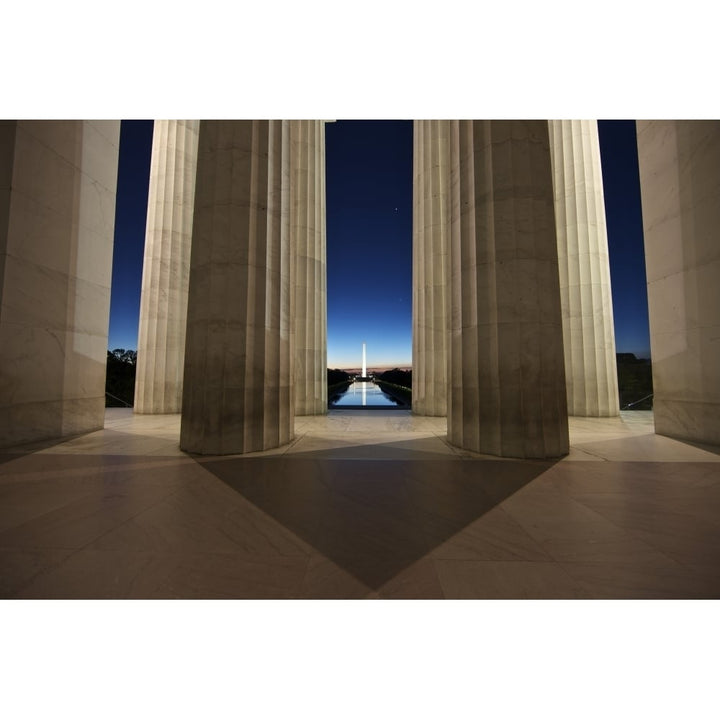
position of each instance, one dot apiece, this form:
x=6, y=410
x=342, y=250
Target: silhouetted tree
x=634, y=381
x=403, y=378
x=120, y=377
x=397, y=383
x=335, y=377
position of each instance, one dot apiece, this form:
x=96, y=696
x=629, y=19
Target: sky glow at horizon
x=369, y=239
x=369, y=242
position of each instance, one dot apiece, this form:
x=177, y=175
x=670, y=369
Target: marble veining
x=353, y=510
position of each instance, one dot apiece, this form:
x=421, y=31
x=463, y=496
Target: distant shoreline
x=371, y=368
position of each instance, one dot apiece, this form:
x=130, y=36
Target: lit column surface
x=679, y=164
x=57, y=218
x=238, y=358
x=585, y=294
x=507, y=393
x=364, y=362
x=166, y=267
x=431, y=318
x=307, y=229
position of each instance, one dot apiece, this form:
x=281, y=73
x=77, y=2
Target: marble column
x=507, y=394
x=57, y=218
x=431, y=307
x=679, y=164
x=585, y=294
x=238, y=394
x=307, y=230
x=166, y=267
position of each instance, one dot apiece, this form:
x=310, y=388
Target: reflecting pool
x=363, y=394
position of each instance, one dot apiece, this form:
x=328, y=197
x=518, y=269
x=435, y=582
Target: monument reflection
x=363, y=394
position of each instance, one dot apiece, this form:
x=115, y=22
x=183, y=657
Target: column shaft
x=507, y=375
x=166, y=267
x=238, y=394
x=586, y=297
x=431, y=317
x=679, y=164
x=57, y=217
x=307, y=229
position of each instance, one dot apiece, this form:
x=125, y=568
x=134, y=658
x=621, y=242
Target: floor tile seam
x=715, y=523
x=181, y=554
x=544, y=538
x=546, y=560
x=48, y=475
x=439, y=581
x=43, y=572
x=486, y=561
x=157, y=580
x=632, y=533
x=287, y=448
x=583, y=586
x=558, y=496
x=672, y=555
x=588, y=452
x=38, y=517
x=166, y=580
x=133, y=517
x=636, y=566
x=267, y=517
x=453, y=449
x=164, y=449
x=674, y=502
x=233, y=541
x=606, y=585
x=524, y=531
x=86, y=496
x=387, y=515
x=669, y=468
x=304, y=580
x=622, y=484
x=431, y=562
x=573, y=581
x=83, y=471
x=306, y=572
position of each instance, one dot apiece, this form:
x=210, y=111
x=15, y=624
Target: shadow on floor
x=374, y=517
x=17, y=451
x=714, y=449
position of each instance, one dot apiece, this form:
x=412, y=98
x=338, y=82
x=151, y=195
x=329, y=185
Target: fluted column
x=507, y=375
x=57, y=216
x=307, y=229
x=679, y=163
x=238, y=394
x=431, y=311
x=166, y=267
x=585, y=293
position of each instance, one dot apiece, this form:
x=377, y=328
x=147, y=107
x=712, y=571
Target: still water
x=363, y=394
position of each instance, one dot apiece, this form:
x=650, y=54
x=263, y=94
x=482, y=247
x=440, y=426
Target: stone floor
x=363, y=504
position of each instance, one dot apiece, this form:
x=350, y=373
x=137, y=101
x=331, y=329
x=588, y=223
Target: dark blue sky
x=369, y=242
x=130, y=218
x=369, y=238
x=623, y=214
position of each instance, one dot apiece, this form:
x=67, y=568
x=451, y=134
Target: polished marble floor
x=363, y=504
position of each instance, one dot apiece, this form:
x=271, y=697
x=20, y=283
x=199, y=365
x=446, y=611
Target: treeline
x=337, y=381
x=337, y=377
x=120, y=378
x=634, y=382
x=401, y=378
x=397, y=383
